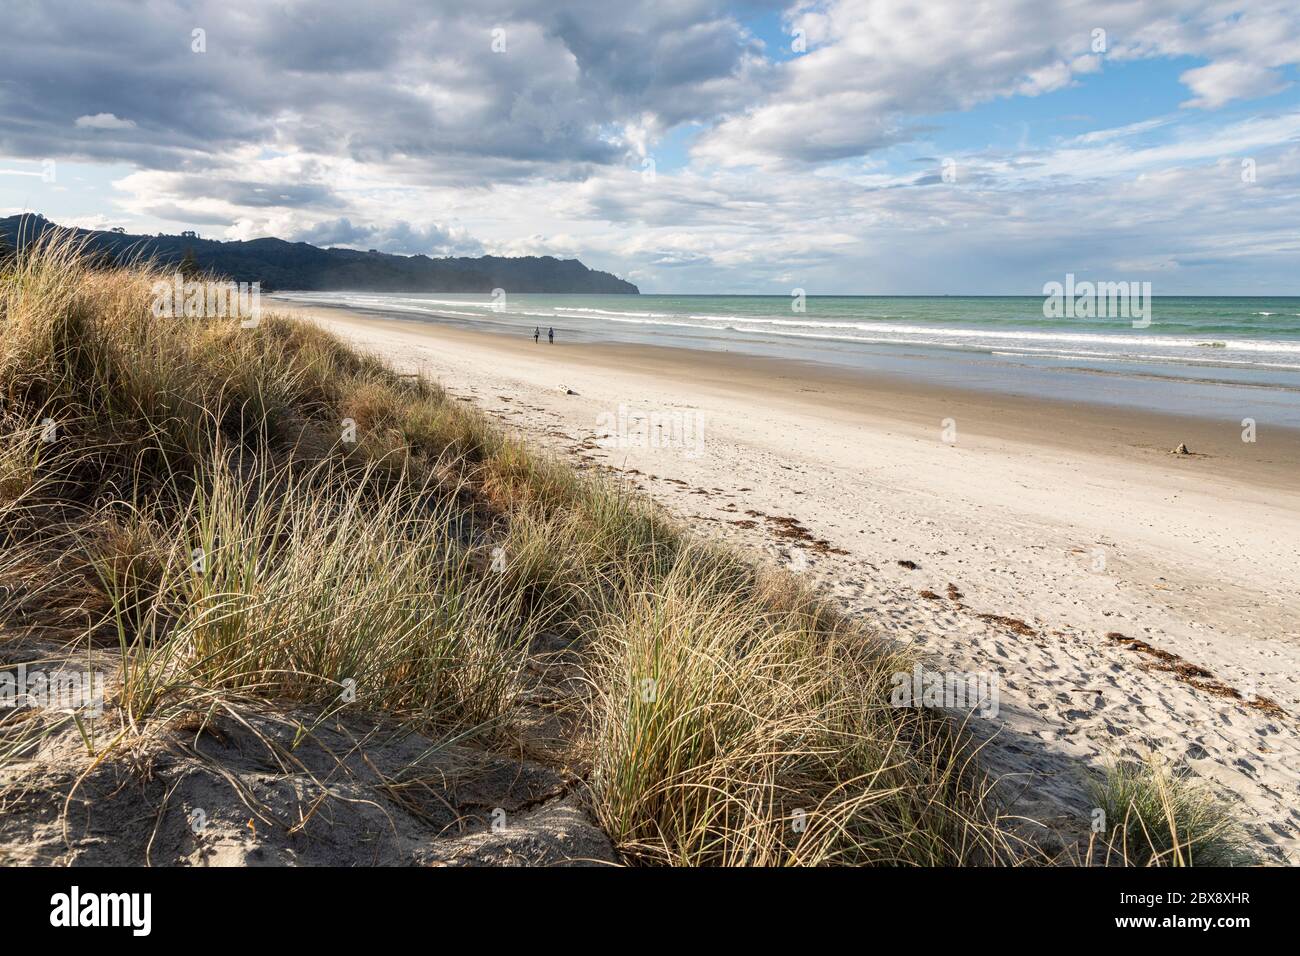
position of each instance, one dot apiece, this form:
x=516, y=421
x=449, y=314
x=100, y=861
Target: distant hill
x=281, y=265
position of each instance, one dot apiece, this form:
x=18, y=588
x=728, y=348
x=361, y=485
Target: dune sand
x=1128, y=599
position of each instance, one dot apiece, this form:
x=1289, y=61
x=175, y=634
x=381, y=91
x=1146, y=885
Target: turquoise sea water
x=1199, y=355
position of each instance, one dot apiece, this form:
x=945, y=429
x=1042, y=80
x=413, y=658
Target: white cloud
x=103, y=121
x=1228, y=80
x=100, y=222
x=878, y=65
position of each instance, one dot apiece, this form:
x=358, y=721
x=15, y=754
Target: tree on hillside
x=189, y=266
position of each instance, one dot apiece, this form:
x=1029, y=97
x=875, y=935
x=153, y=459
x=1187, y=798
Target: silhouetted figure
x=550, y=336
x=537, y=335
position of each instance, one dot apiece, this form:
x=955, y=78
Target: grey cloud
x=256, y=194
x=175, y=212
x=377, y=82
x=679, y=259
x=684, y=69
x=400, y=238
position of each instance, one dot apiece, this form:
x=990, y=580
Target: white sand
x=1197, y=562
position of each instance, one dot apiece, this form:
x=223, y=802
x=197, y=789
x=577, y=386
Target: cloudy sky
x=868, y=146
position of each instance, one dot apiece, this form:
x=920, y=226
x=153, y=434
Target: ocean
x=1196, y=355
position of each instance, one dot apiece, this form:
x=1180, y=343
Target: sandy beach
x=1128, y=599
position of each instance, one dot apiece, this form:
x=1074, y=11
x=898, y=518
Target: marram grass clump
x=1157, y=815
x=265, y=514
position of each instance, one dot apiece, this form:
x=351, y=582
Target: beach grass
x=266, y=514
x=1156, y=815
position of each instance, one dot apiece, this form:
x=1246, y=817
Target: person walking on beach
x=550, y=336
x=537, y=334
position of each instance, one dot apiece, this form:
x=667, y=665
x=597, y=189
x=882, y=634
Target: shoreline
x=1057, y=546
x=964, y=347
x=1273, y=461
